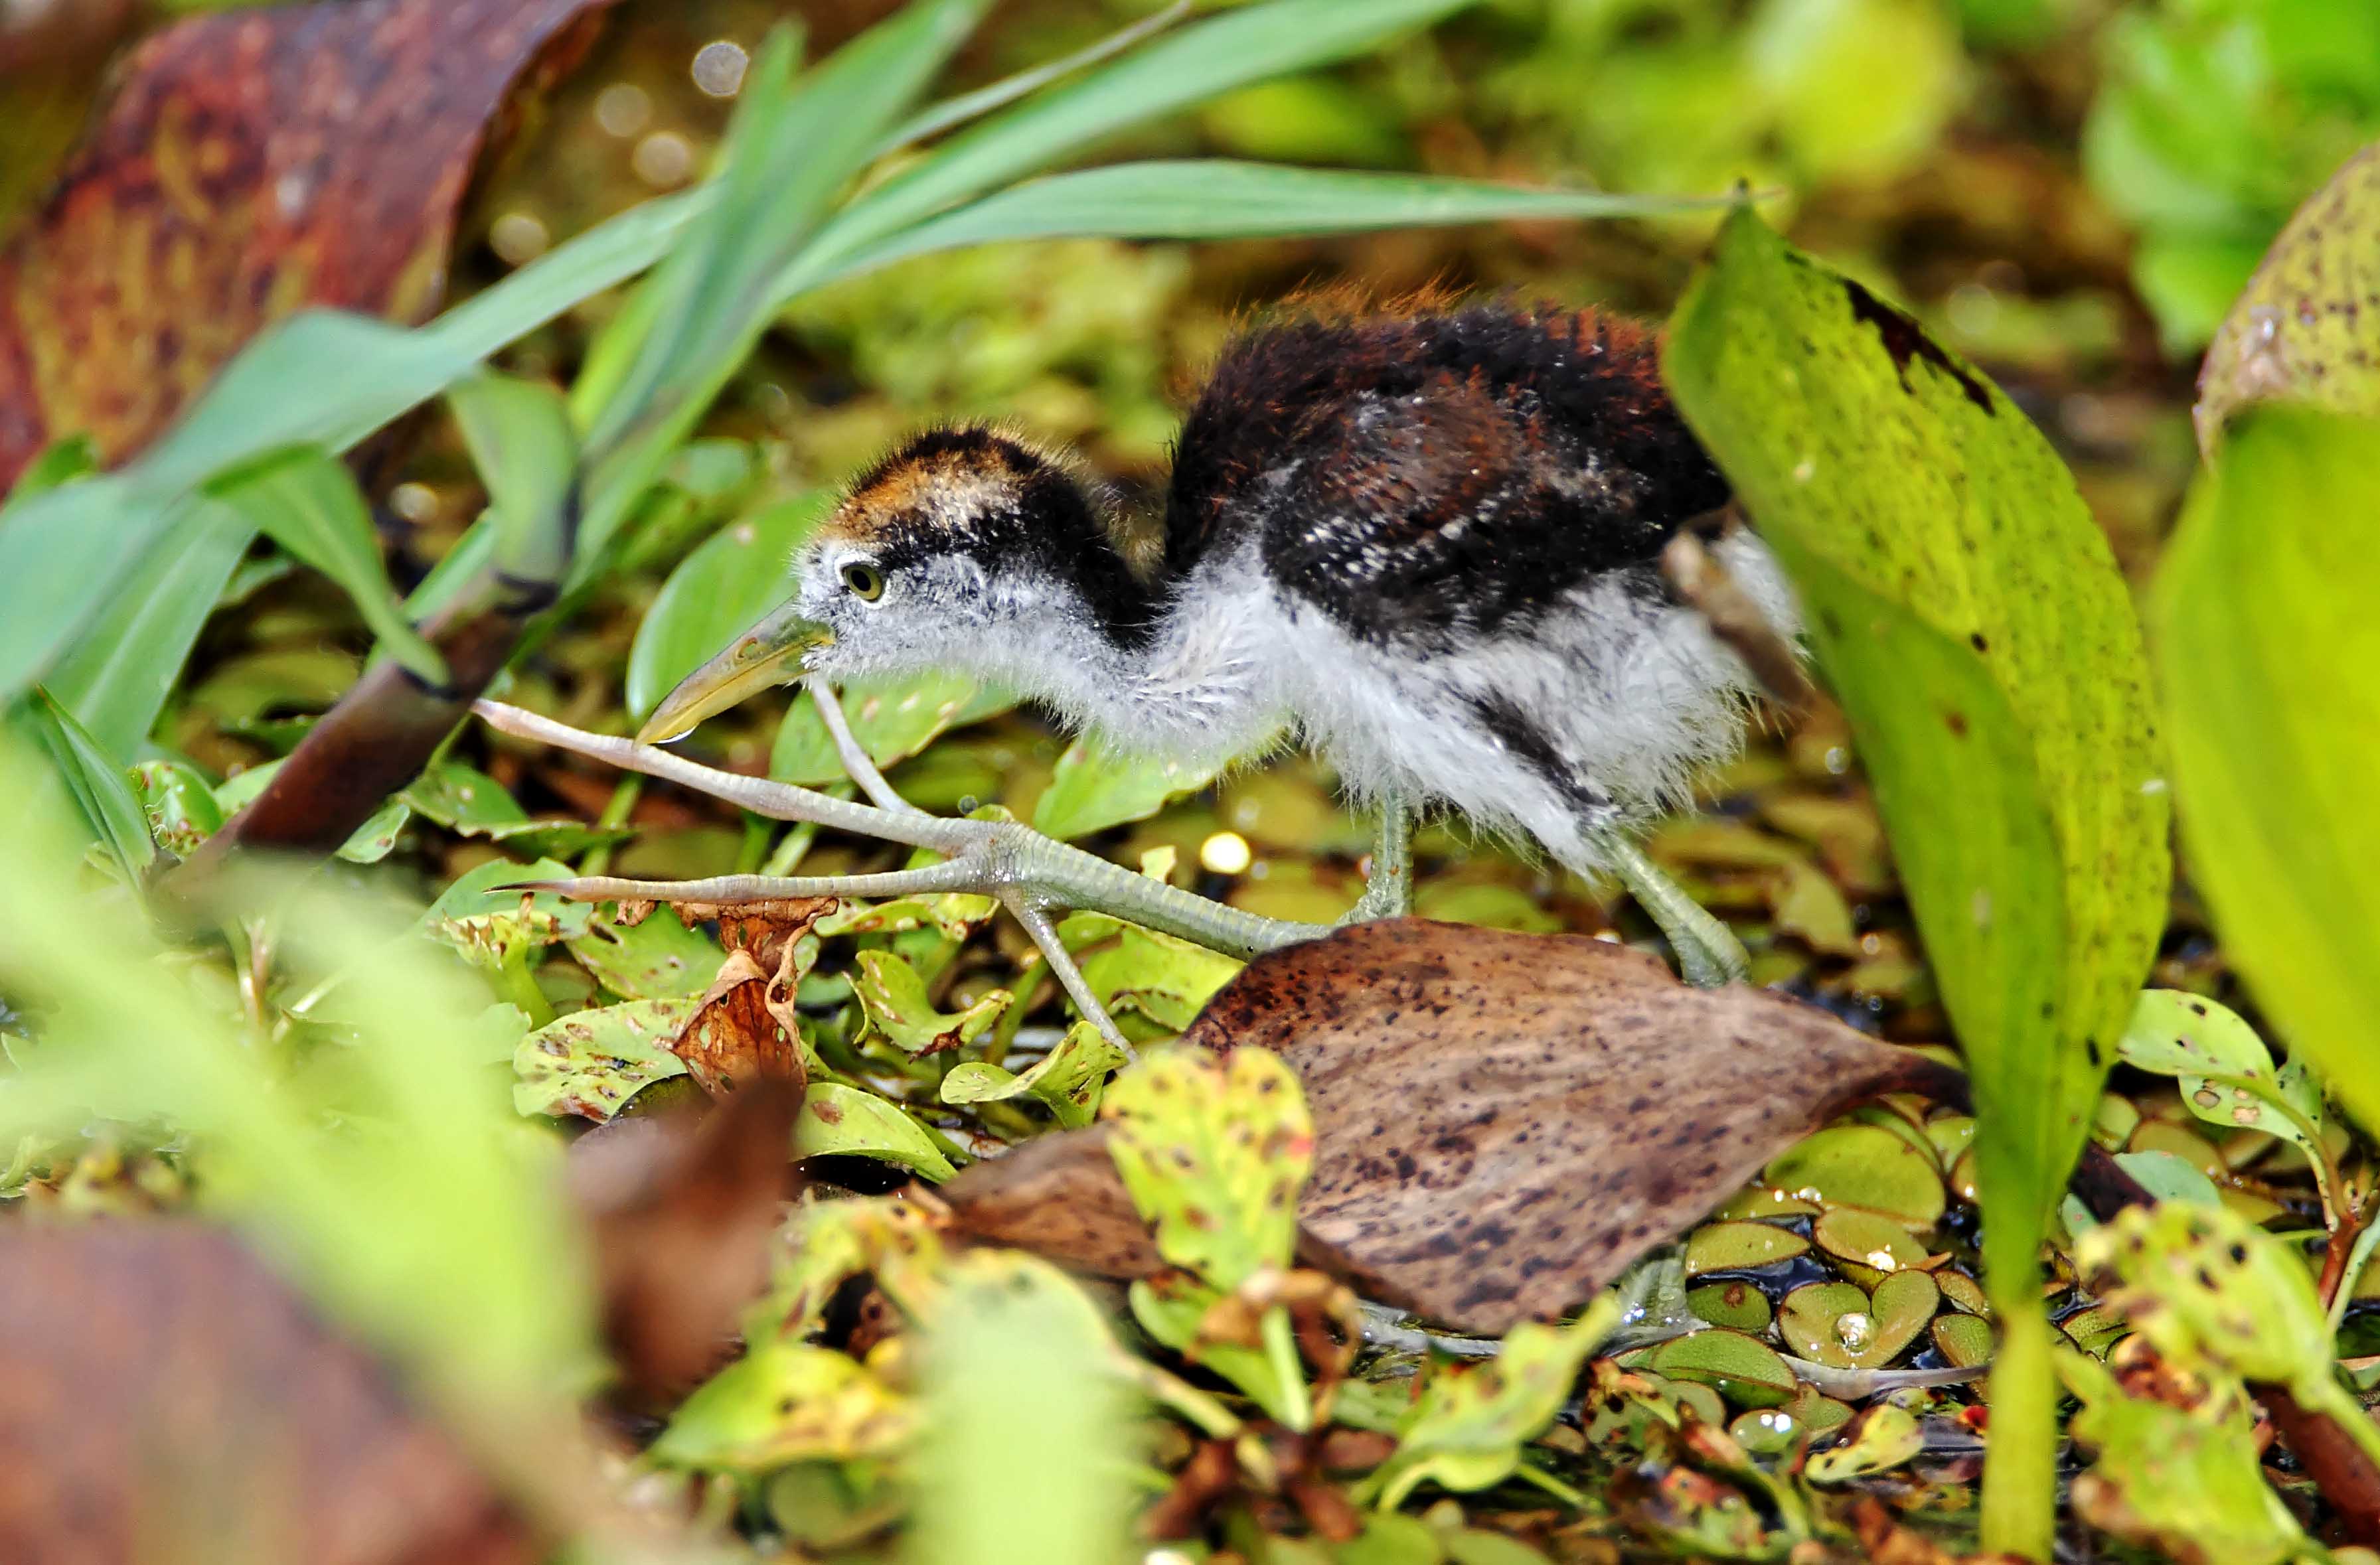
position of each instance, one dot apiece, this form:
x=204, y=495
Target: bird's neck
x=1185, y=677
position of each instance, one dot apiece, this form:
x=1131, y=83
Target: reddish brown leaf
x=163, y=1395
x=764, y=928
x=248, y=165
x=744, y=1030
x=683, y=1208
x=1057, y=1196
x=1504, y=1121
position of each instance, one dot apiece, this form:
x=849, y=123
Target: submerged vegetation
x=383, y=1178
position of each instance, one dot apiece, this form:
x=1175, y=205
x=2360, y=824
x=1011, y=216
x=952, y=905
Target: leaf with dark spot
x=248, y=166
x=743, y=1027
x=1476, y=1157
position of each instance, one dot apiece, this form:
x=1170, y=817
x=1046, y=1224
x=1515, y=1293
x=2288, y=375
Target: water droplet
x=1854, y=1330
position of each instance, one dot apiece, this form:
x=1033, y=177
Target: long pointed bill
x=775, y=651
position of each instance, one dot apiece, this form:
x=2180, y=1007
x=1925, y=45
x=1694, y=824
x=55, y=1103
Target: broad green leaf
x=1174, y=1309
x=2306, y=328
x=892, y=723
x=1095, y=788
x=788, y=154
x=464, y=798
x=117, y=675
x=307, y=503
x=1969, y=615
x=491, y=888
x=2266, y=641
x=1011, y=1363
x=590, y=1062
x=521, y=440
x=1743, y=1369
x=1465, y=1430
x=656, y=958
x=1067, y=1079
x=737, y=575
x=899, y=1008
x=2167, y=1176
x=1218, y=199
x=1161, y=978
x=2188, y=1483
x=781, y=1403
x=102, y=791
x=1214, y=1153
x=843, y=1120
x=1180, y=70
x=1864, y=1166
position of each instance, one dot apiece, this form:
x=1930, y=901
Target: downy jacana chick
x=1426, y=543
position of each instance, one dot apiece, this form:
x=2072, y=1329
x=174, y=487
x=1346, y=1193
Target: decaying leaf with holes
x=248, y=165
x=1214, y=1152
x=2208, y=1288
x=896, y=1242
x=745, y=1028
x=2187, y=1481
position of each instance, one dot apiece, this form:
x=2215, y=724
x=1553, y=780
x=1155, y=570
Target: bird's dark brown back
x=1437, y=474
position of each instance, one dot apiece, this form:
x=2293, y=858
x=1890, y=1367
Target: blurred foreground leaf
x=2266, y=643
x=1967, y=612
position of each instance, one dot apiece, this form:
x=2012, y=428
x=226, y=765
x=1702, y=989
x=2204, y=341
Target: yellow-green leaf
x=1214, y=1153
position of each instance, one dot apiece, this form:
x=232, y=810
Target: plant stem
x=2020, y=1504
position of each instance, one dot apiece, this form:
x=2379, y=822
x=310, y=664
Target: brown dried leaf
x=1504, y=1121
x=764, y=928
x=248, y=166
x=1060, y=1197
x=683, y=1208
x=159, y=1387
x=743, y=1027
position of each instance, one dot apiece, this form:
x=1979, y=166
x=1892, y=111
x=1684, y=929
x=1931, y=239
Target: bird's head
x=938, y=557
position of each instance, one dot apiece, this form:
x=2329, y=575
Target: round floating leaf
x=1879, y=1439
x=1743, y=1369
x=1962, y=1339
x=1738, y=1305
x=1869, y=1245
x=1741, y=1247
x=1863, y=1166
x=1807, y=1320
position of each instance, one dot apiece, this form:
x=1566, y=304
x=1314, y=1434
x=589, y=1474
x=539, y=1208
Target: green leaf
x=521, y=440
x=1012, y=1363
x=2189, y=1036
x=2188, y=1483
x=120, y=669
x=1881, y=1438
x=656, y=958
x=1968, y=613
x=843, y=1120
x=2265, y=643
x=787, y=155
x=1161, y=978
x=102, y=790
x=1214, y=1153
x=1745, y=1370
x=1465, y=1430
x=307, y=503
x=492, y=888
x=782, y=1402
x=1067, y=1079
x=1219, y=199
x=180, y=803
x=891, y=724
x=1175, y=72
x=590, y=1062
x=899, y=1010
x=737, y=575
x=467, y=800
x=1095, y=788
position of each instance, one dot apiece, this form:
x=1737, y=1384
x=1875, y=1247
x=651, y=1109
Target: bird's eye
x=864, y=580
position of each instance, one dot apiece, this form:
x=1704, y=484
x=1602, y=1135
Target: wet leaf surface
x=132, y=1348
x=1504, y=1121
x=246, y=166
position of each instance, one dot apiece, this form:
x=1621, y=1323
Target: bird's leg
x=1708, y=950
x=997, y=858
x=1389, y=893
x=858, y=764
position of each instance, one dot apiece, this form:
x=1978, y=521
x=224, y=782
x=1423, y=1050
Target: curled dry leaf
x=248, y=166
x=1504, y=1122
x=155, y=1374
x=764, y=928
x=683, y=1208
x=744, y=1028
